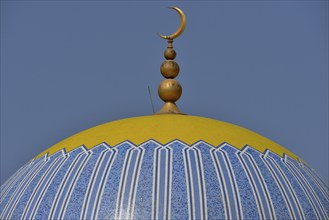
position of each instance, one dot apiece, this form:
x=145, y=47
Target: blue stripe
x=162, y=173
x=213, y=193
x=203, y=193
x=247, y=197
x=18, y=184
x=254, y=180
x=98, y=184
x=125, y=170
x=143, y=204
x=189, y=187
x=66, y=188
x=43, y=211
x=315, y=187
x=102, y=184
x=92, y=180
x=296, y=188
x=293, y=206
x=230, y=201
x=315, y=198
x=196, y=187
x=39, y=191
x=179, y=204
x=168, y=205
x=17, y=212
x=265, y=184
x=107, y=209
x=235, y=195
x=135, y=181
x=9, y=184
x=155, y=187
x=317, y=179
x=75, y=203
x=129, y=181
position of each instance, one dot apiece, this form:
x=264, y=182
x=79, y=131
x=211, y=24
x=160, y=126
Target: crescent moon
x=180, y=28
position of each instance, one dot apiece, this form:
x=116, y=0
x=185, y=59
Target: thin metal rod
x=151, y=99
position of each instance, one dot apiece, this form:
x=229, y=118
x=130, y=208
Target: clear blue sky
x=70, y=65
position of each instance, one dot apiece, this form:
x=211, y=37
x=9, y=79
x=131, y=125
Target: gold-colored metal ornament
x=169, y=89
x=180, y=28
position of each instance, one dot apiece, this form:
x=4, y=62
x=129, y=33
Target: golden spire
x=169, y=89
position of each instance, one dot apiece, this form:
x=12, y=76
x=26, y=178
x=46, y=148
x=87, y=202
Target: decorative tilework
x=155, y=181
x=310, y=190
x=54, y=190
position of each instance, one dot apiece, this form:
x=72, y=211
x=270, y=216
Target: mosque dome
x=165, y=166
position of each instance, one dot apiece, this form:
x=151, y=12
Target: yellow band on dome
x=166, y=128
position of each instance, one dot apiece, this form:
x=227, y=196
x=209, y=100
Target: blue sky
x=68, y=66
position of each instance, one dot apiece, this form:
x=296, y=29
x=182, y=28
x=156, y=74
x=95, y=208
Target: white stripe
x=62, y=186
x=132, y=202
x=155, y=187
x=100, y=191
x=132, y=185
x=232, y=180
x=187, y=182
x=91, y=183
x=42, y=194
x=38, y=185
x=290, y=188
x=281, y=188
x=44, y=190
x=222, y=184
x=263, y=186
x=10, y=183
x=302, y=187
x=323, y=182
x=72, y=185
x=122, y=186
x=316, y=182
x=21, y=189
x=200, y=175
x=158, y=181
x=21, y=184
x=310, y=188
x=7, y=183
x=170, y=182
x=165, y=185
x=259, y=202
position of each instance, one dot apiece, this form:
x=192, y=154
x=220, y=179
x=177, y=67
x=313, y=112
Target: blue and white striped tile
x=297, y=189
x=37, y=179
x=128, y=183
x=243, y=192
x=43, y=210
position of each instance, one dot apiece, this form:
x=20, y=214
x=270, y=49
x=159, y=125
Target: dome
x=165, y=166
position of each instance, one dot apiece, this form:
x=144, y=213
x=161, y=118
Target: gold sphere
x=169, y=69
x=169, y=54
x=170, y=90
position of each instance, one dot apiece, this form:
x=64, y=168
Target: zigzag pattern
x=154, y=181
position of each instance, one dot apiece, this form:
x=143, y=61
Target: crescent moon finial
x=180, y=28
x=170, y=89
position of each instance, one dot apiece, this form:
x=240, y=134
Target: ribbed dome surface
x=165, y=166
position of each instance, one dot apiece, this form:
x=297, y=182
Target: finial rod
x=169, y=89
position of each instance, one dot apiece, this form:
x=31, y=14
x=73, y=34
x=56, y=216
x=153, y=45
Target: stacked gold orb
x=169, y=89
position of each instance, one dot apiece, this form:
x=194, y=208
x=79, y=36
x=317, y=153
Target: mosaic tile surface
x=154, y=181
